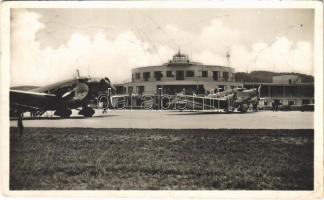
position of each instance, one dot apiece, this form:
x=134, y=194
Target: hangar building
x=285, y=90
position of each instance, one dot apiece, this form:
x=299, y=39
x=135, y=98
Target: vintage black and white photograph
x=162, y=98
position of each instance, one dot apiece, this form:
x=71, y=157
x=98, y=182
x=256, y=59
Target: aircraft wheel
x=87, y=112
x=243, y=108
x=65, y=113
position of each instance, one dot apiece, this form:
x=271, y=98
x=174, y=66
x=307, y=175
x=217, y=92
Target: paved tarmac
x=180, y=120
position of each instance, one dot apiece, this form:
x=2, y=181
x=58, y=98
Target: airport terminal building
x=179, y=74
x=285, y=90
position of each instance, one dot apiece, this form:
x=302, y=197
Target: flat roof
x=275, y=84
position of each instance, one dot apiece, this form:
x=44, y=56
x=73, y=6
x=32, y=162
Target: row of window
x=141, y=89
x=180, y=75
x=289, y=102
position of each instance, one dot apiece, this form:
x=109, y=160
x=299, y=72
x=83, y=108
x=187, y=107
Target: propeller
x=80, y=91
x=67, y=94
x=105, y=83
x=259, y=92
x=111, y=86
x=107, y=79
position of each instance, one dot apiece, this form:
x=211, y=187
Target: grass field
x=72, y=158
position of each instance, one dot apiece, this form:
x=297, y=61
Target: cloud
x=220, y=36
x=98, y=55
x=282, y=55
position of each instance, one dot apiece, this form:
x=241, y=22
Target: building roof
x=286, y=75
x=180, y=59
x=275, y=84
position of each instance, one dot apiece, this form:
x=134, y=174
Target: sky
x=48, y=45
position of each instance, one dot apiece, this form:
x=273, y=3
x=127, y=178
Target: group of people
x=275, y=105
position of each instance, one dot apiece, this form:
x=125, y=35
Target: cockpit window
x=87, y=80
x=83, y=79
x=95, y=79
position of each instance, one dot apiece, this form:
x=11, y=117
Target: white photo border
x=201, y=194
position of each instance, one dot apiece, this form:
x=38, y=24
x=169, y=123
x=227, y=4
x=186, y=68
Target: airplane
x=229, y=100
x=60, y=97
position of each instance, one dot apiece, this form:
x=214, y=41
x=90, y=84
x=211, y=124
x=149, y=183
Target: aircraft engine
x=81, y=91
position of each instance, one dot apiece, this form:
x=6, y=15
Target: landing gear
x=87, y=111
x=65, y=113
x=243, y=108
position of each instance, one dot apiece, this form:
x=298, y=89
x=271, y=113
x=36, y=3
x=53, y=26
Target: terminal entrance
x=186, y=89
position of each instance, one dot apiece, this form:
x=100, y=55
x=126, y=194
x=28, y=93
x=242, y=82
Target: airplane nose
x=105, y=83
x=109, y=82
x=80, y=91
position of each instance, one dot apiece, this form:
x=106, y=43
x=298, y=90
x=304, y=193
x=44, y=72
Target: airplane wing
x=28, y=100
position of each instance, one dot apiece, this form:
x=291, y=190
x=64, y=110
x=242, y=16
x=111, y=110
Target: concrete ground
x=180, y=120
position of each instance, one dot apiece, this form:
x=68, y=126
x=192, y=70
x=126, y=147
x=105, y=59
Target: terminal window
x=190, y=73
x=137, y=75
x=291, y=102
x=146, y=76
x=305, y=101
x=204, y=74
x=221, y=88
x=226, y=76
x=179, y=75
x=158, y=75
x=215, y=75
x=141, y=89
x=169, y=74
x=130, y=89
